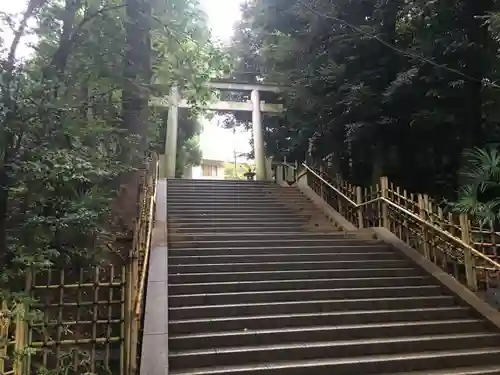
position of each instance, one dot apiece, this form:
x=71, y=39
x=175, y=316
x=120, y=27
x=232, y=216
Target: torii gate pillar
x=171, y=137
x=174, y=102
x=258, y=137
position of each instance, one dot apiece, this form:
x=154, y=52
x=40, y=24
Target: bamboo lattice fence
x=87, y=320
x=468, y=253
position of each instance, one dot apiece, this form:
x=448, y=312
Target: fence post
x=20, y=337
x=359, y=200
x=4, y=334
x=279, y=173
x=321, y=188
x=340, y=205
x=384, y=187
x=162, y=166
x=470, y=270
x=131, y=283
x=128, y=315
x=425, y=232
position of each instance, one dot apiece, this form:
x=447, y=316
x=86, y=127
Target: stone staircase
x=261, y=283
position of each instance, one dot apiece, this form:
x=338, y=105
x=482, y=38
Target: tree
x=75, y=127
x=137, y=73
x=75, y=121
x=387, y=87
x=479, y=193
x=232, y=173
x=188, y=143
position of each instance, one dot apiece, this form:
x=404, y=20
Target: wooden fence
x=82, y=321
x=450, y=241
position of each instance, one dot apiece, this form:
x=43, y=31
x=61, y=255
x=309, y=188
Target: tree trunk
x=135, y=98
x=388, y=65
x=6, y=136
x=478, y=55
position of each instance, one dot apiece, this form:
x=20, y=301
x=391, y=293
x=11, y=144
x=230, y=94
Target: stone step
x=238, y=215
x=229, y=184
x=225, y=199
x=288, y=307
x=377, y=364
x=177, y=242
x=286, y=275
x=276, y=285
x=234, y=209
x=258, y=228
x=340, y=348
x=225, y=183
x=179, y=192
x=235, y=219
x=216, y=181
x=288, y=266
x=179, y=181
x=262, y=210
x=242, y=197
x=181, y=199
x=228, y=188
x=299, y=257
x=344, y=246
x=259, y=283
x=480, y=370
x=197, y=187
x=234, y=205
x=214, y=201
x=215, y=326
x=248, y=197
x=184, y=300
x=268, y=236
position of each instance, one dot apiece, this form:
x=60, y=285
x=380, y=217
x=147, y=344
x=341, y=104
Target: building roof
x=213, y=162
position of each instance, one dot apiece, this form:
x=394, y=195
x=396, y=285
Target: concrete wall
x=196, y=173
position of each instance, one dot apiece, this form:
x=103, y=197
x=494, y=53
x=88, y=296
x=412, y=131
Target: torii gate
x=255, y=105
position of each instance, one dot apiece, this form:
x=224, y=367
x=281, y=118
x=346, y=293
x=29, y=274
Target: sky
x=216, y=143
x=15, y=6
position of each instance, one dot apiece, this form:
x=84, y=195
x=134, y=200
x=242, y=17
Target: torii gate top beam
x=238, y=86
x=227, y=106
x=175, y=101
x=230, y=86
x=221, y=106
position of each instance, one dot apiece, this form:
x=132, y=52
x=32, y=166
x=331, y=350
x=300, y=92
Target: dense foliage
x=479, y=193
x=188, y=143
x=390, y=87
x=75, y=125
x=236, y=171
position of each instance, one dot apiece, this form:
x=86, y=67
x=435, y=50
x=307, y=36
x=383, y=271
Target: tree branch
x=68, y=41
x=33, y=6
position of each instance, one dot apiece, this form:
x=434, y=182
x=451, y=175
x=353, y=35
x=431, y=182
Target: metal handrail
x=289, y=166
x=411, y=214
x=145, y=266
x=284, y=163
x=331, y=186
x=142, y=281
x=441, y=231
